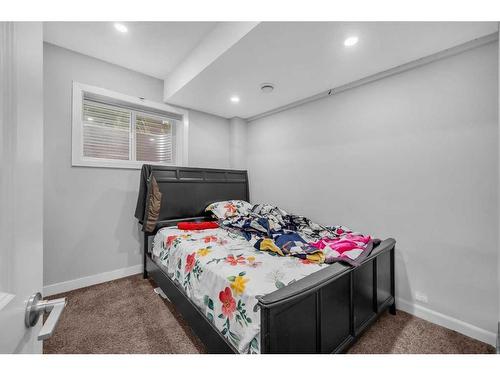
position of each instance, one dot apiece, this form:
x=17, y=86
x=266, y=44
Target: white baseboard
x=66, y=286
x=447, y=321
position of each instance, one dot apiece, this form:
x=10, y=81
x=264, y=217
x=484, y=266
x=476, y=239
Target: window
x=106, y=132
x=110, y=132
x=115, y=130
x=153, y=138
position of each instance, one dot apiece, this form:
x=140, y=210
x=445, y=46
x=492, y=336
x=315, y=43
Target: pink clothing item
x=350, y=248
x=344, y=243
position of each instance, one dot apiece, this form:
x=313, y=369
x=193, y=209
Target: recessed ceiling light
x=235, y=99
x=352, y=40
x=121, y=27
x=267, y=88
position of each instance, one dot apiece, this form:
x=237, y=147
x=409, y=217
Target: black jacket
x=143, y=193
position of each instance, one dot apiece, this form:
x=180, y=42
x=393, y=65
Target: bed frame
x=324, y=312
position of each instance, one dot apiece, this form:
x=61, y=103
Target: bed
x=238, y=299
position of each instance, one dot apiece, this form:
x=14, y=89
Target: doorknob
x=36, y=307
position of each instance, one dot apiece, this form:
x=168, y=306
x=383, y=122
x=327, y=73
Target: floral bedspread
x=222, y=273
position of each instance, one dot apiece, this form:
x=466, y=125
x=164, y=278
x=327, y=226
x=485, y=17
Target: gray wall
x=238, y=143
x=88, y=212
x=208, y=140
x=413, y=156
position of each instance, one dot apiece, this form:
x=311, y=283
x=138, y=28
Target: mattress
x=222, y=273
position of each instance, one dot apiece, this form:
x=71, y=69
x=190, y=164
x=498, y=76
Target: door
x=21, y=183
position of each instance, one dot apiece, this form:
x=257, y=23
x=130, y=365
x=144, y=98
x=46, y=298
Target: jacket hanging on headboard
x=143, y=193
x=149, y=200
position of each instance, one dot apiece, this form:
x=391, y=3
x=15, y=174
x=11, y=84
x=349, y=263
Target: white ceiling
x=300, y=58
x=306, y=58
x=152, y=48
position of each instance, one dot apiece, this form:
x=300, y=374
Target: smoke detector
x=266, y=88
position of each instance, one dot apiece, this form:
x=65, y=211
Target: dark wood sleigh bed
x=324, y=312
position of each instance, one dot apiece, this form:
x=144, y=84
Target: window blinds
x=106, y=132
x=153, y=139
x=114, y=132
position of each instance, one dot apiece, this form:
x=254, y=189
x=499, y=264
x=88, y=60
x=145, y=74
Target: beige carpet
x=126, y=316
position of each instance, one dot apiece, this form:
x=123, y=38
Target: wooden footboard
x=326, y=311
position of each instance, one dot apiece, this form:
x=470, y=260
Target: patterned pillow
x=225, y=209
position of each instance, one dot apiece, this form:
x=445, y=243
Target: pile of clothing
x=283, y=234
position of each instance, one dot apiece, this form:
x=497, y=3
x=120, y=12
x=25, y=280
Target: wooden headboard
x=187, y=191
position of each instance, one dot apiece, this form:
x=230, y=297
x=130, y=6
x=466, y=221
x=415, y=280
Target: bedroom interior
x=245, y=187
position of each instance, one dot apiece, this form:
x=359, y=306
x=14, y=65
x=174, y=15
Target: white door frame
x=21, y=181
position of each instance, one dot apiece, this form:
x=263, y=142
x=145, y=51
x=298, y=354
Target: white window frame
x=180, y=133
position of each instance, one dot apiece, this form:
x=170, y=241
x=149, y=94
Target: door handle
x=36, y=307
